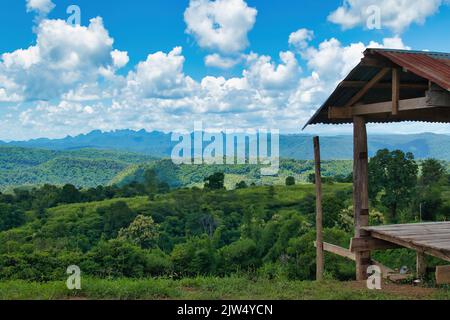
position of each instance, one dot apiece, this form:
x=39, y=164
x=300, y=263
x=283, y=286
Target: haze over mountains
x=298, y=146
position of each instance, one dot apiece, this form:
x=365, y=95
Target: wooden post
x=395, y=90
x=319, y=235
x=360, y=192
x=443, y=275
x=421, y=265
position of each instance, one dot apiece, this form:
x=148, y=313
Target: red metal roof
x=424, y=64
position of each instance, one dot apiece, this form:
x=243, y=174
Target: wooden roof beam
x=369, y=244
x=368, y=86
x=376, y=62
x=433, y=101
x=385, y=85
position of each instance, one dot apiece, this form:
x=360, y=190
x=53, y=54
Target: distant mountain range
x=296, y=146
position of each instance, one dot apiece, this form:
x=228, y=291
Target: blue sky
x=161, y=65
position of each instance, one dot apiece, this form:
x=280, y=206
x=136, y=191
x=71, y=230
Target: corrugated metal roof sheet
x=431, y=66
x=421, y=66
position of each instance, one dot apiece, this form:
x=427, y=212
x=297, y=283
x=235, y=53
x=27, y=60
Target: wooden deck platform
x=428, y=238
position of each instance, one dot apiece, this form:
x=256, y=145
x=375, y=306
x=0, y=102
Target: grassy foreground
x=213, y=289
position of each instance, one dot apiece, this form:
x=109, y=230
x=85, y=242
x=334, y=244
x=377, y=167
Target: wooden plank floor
x=432, y=238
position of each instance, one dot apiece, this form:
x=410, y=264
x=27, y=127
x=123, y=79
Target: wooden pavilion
x=387, y=86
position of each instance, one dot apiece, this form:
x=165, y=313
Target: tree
x=69, y=194
x=151, y=183
x=241, y=185
x=10, y=217
x=115, y=217
x=433, y=172
x=215, y=181
x=240, y=255
x=429, y=200
x=143, y=231
x=46, y=197
x=290, y=181
x=394, y=173
x=430, y=203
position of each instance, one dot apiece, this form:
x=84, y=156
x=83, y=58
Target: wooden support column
x=443, y=275
x=395, y=90
x=421, y=265
x=360, y=192
x=319, y=235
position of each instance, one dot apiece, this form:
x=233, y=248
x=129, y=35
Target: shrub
x=240, y=255
x=194, y=257
x=290, y=181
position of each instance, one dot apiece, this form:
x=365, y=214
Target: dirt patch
x=404, y=291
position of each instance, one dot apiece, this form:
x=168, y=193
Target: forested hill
x=299, y=146
x=90, y=168
x=83, y=168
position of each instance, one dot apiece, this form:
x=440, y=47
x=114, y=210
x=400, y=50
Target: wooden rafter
x=368, y=86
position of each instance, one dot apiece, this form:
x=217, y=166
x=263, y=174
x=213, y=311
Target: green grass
x=239, y=288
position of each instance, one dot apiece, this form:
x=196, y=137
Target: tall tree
x=429, y=200
x=395, y=175
x=433, y=172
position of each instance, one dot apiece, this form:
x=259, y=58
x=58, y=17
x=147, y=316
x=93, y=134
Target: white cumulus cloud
x=300, y=38
x=42, y=7
x=265, y=74
x=120, y=58
x=332, y=60
x=221, y=24
x=64, y=57
x=397, y=15
x=161, y=75
x=217, y=61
